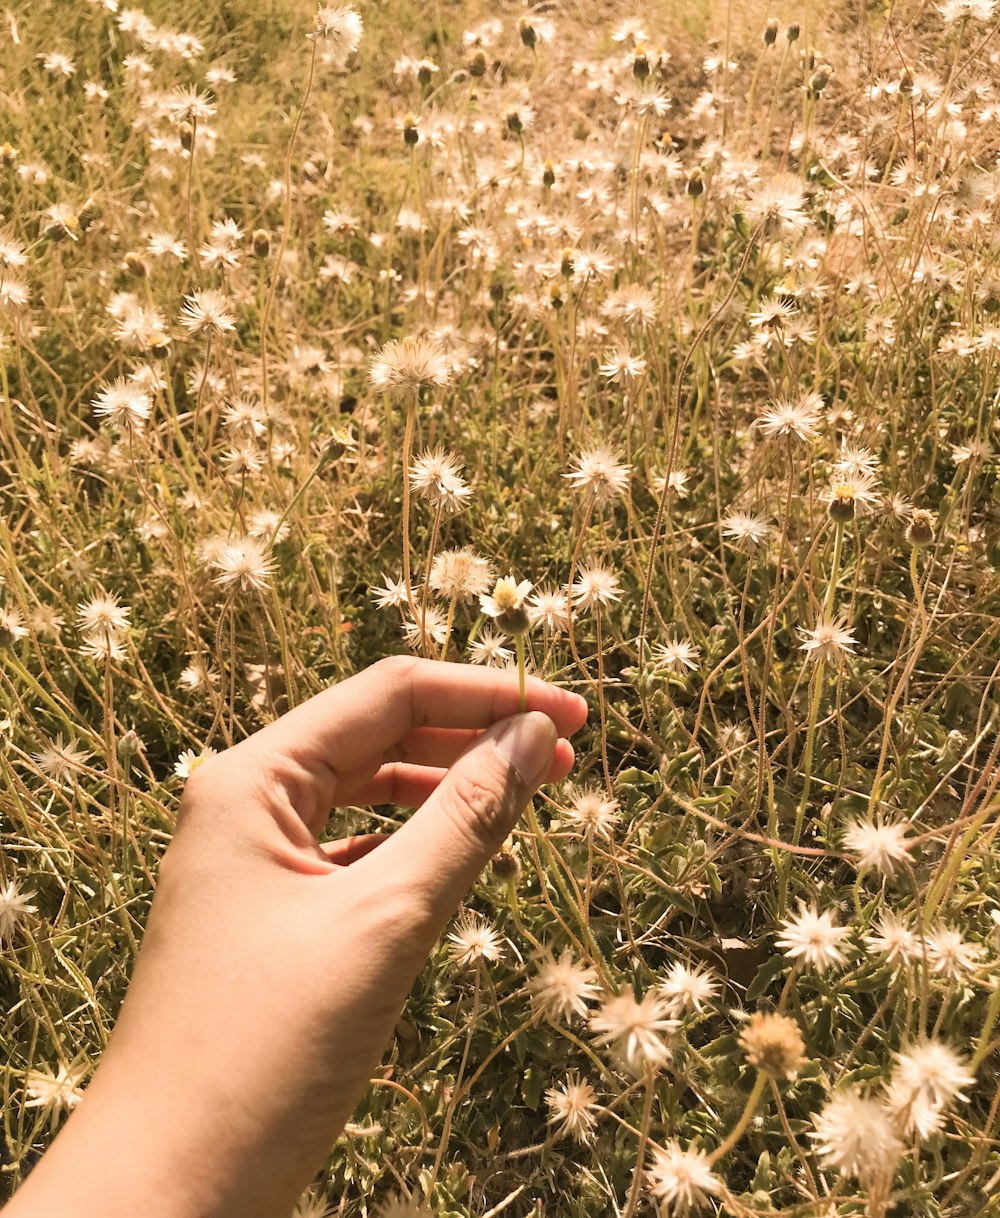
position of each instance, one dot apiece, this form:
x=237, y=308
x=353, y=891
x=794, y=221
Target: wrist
x=163, y=1132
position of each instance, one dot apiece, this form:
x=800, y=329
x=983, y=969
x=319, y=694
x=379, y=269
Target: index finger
x=356, y=722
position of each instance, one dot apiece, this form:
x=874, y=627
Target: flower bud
x=129, y=745
x=695, y=183
x=505, y=865
x=513, y=621
x=477, y=65
x=920, y=530
x=527, y=32
x=771, y=32
x=261, y=240
x=640, y=64
x=773, y=1043
x=842, y=505
x=549, y=174
x=133, y=265
x=186, y=131
x=793, y=31
x=411, y=132
x=819, y=80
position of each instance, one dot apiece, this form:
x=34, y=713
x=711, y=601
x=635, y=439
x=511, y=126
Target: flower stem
x=740, y=1128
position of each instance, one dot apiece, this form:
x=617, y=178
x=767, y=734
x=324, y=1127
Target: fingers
x=410, y=784
x=437, y=855
x=357, y=722
x=347, y=850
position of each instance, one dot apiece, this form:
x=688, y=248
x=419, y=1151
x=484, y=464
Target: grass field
x=689, y=317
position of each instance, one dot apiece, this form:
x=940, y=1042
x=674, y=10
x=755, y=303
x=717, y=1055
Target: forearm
x=149, y=1141
x=217, y=1097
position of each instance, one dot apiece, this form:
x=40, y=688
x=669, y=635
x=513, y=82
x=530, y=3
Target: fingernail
x=527, y=742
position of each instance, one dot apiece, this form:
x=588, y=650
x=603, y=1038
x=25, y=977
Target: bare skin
x=274, y=968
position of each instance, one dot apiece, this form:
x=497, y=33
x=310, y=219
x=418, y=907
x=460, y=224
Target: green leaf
x=768, y=972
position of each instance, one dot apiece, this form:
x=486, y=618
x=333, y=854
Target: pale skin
x=274, y=968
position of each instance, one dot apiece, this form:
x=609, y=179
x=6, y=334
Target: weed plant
x=672, y=338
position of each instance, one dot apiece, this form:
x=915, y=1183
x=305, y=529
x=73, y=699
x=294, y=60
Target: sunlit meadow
x=650, y=349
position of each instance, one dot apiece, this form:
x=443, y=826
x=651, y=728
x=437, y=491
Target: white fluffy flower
x=681, y=1179
x=857, y=1137
x=813, y=938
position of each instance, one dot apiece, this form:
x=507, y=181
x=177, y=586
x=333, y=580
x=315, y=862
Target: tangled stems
x=740, y=1128
x=560, y=883
x=286, y=223
x=661, y=509
x=640, y=1154
x=457, y=1093
x=828, y=605
x=901, y=684
x=411, y=411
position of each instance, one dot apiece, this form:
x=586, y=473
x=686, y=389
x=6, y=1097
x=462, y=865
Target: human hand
x=274, y=968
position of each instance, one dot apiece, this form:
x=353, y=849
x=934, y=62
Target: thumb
x=443, y=847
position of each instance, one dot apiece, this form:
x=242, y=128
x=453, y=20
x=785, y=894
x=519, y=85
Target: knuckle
x=482, y=803
x=400, y=913
x=397, y=667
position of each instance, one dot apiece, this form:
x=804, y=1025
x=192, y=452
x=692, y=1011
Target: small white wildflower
x=406, y=367
x=600, y=474
x=675, y=655
x=14, y=908
x=681, y=1179
x=61, y=761
x=571, y=1108
x=746, y=529
x=877, y=846
x=784, y=418
x=893, y=939
x=857, y=1137
x=244, y=563
x=474, y=939
x=490, y=649
x=561, y=989
x=687, y=990
x=813, y=938
x=189, y=761
x=950, y=955
x=54, y=1094
x=207, y=313
x=633, y=1030
x=594, y=587
x=828, y=640
x=123, y=404
x=591, y=812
